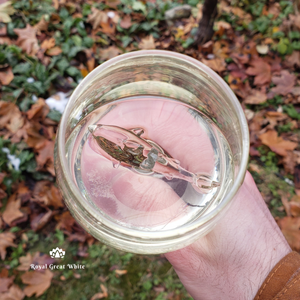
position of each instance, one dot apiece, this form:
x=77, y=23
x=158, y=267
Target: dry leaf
x=6, y=10
x=12, y=210
x=112, y=3
x=104, y=293
x=25, y=262
x=47, y=44
x=277, y=144
x=293, y=60
x=290, y=228
x=38, y=110
x=126, y=22
x=147, y=43
x=256, y=97
x=285, y=83
x=39, y=221
x=14, y=293
x=217, y=64
x=96, y=17
x=54, y=51
x=38, y=282
x=65, y=221
x=261, y=70
x=121, y=272
x=6, y=76
x=27, y=39
x=109, y=53
x=6, y=240
x=5, y=283
x=45, y=153
x=45, y=192
x=42, y=25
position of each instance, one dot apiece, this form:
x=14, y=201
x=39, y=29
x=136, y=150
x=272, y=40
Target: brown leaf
x=25, y=262
x=54, y=51
x=47, y=44
x=256, y=97
x=276, y=143
x=109, y=53
x=112, y=3
x=126, y=22
x=147, y=43
x=45, y=153
x=5, y=283
x=108, y=27
x=65, y=221
x=293, y=60
x=10, y=116
x=42, y=25
x=12, y=210
x=14, y=293
x=104, y=293
x=6, y=240
x=290, y=228
x=45, y=192
x=121, y=272
x=38, y=110
x=38, y=282
x=6, y=76
x=96, y=17
x=27, y=39
x=34, y=138
x=285, y=83
x=261, y=70
x=217, y=64
x=39, y=221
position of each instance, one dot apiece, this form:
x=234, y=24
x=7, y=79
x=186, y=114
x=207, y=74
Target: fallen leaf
x=40, y=220
x=293, y=60
x=38, y=110
x=261, y=70
x=45, y=192
x=27, y=39
x=109, y=53
x=45, y=153
x=6, y=10
x=65, y=221
x=42, y=25
x=14, y=293
x=96, y=17
x=25, y=262
x=126, y=22
x=47, y=44
x=290, y=228
x=6, y=76
x=12, y=210
x=256, y=97
x=217, y=64
x=112, y=3
x=6, y=240
x=104, y=293
x=5, y=283
x=54, y=51
x=147, y=43
x=277, y=144
x=38, y=282
x=121, y=272
x=284, y=83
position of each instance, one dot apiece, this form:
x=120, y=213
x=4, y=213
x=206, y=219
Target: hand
x=233, y=260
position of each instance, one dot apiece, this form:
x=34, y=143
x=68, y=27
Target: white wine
x=158, y=163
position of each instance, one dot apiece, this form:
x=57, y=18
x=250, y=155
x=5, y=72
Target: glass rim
x=184, y=228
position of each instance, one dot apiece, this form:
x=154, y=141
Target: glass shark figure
x=128, y=148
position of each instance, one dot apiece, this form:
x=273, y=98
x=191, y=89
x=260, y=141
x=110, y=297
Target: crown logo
x=57, y=253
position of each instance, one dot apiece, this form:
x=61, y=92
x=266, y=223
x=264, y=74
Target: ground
x=47, y=47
